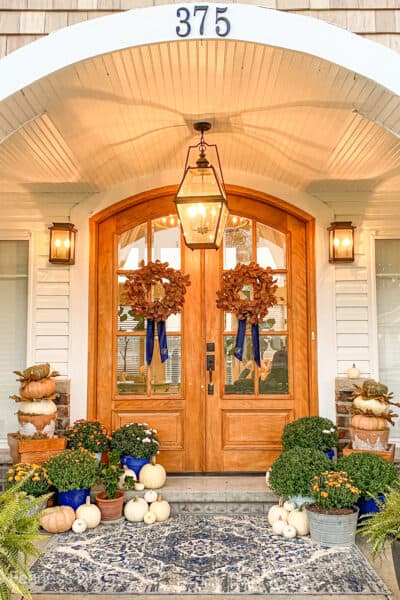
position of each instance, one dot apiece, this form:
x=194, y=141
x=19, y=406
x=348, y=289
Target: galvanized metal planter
x=333, y=530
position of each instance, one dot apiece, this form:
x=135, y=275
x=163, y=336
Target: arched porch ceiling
x=284, y=115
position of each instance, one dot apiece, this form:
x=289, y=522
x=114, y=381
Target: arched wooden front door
x=238, y=427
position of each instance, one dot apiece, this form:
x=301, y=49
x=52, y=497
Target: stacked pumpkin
x=36, y=409
x=287, y=520
x=371, y=415
x=152, y=507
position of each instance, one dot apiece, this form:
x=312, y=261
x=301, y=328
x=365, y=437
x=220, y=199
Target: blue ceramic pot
x=330, y=454
x=368, y=505
x=73, y=498
x=134, y=463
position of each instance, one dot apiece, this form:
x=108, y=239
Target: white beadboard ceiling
x=287, y=116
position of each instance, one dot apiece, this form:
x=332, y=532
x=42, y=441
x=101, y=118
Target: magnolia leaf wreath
x=138, y=290
x=231, y=299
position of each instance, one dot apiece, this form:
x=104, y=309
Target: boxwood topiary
x=310, y=432
x=371, y=473
x=292, y=472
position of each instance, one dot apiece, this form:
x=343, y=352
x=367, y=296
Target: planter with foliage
x=73, y=471
x=35, y=481
x=110, y=502
x=90, y=435
x=136, y=443
x=333, y=514
x=310, y=432
x=292, y=472
x=19, y=535
x=372, y=475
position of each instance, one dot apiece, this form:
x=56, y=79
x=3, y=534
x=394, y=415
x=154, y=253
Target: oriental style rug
x=195, y=554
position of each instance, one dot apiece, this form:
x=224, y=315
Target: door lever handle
x=210, y=368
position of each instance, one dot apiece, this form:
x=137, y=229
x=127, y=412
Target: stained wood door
x=238, y=426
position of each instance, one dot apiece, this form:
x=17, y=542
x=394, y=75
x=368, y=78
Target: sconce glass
x=62, y=244
x=341, y=242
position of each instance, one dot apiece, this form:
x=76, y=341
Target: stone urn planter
x=332, y=529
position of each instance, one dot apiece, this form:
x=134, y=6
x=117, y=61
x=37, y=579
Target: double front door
x=212, y=412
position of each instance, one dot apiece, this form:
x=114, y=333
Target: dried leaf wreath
x=138, y=290
x=263, y=284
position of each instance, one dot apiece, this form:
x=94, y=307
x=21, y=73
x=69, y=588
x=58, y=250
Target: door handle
x=210, y=360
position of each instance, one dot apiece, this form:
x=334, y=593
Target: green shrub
x=292, y=472
x=384, y=525
x=34, y=477
x=135, y=439
x=72, y=470
x=371, y=473
x=310, y=432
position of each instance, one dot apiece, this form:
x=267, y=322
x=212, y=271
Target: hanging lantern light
x=341, y=242
x=62, y=244
x=201, y=199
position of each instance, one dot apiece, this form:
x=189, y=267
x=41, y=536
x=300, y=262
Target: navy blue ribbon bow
x=239, y=347
x=162, y=340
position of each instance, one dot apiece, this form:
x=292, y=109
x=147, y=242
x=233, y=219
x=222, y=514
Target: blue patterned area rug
x=193, y=554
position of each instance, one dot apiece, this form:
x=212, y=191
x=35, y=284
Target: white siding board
x=350, y=274
x=46, y=315
x=51, y=329
x=352, y=327
x=62, y=368
x=351, y=287
x=352, y=354
x=53, y=275
x=363, y=365
x=352, y=340
x=53, y=289
x=351, y=300
x=53, y=342
x=51, y=355
x=52, y=302
x=349, y=313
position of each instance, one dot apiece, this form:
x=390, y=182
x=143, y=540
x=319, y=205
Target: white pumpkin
x=139, y=487
x=127, y=473
x=289, y=505
x=42, y=407
x=149, y=517
x=376, y=407
x=90, y=513
x=152, y=475
x=276, y=513
x=267, y=476
x=135, y=509
x=79, y=526
x=289, y=532
x=161, y=508
x=353, y=372
x=278, y=527
x=151, y=496
x=299, y=520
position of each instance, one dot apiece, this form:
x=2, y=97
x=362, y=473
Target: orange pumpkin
x=38, y=389
x=57, y=519
x=369, y=423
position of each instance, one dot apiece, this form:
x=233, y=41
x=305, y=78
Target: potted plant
x=90, y=435
x=333, y=514
x=72, y=473
x=384, y=527
x=293, y=470
x=136, y=443
x=311, y=432
x=110, y=502
x=34, y=478
x=19, y=534
x=372, y=474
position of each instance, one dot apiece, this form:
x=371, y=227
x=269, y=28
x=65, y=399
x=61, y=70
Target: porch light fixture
x=201, y=199
x=62, y=244
x=341, y=242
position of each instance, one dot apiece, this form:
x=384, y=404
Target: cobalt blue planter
x=330, y=454
x=73, y=498
x=134, y=463
x=368, y=505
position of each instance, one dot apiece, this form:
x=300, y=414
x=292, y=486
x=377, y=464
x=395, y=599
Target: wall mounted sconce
x=341, y=242
x=62, y=244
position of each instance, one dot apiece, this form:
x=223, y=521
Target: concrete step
x=222, y=494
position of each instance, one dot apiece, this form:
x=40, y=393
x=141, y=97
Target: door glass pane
x=274, y=366
x=271, y=247
x=166, y=241
x=127, y=320
x=238, y=245
x=132, y=247
x=239, y=375
x=131, y=365
x=13, y=325
x=166, y=376
x=387, y=259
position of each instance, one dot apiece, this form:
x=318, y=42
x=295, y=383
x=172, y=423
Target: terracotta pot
x=31, y=424
x=370, y=440
x=110, y=509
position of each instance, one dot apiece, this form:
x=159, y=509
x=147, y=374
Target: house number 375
x=188, y=21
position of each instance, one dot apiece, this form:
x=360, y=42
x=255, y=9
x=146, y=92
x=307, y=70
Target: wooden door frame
x=169, y=192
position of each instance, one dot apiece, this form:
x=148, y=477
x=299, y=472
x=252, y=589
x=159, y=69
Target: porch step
x=222, y=494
